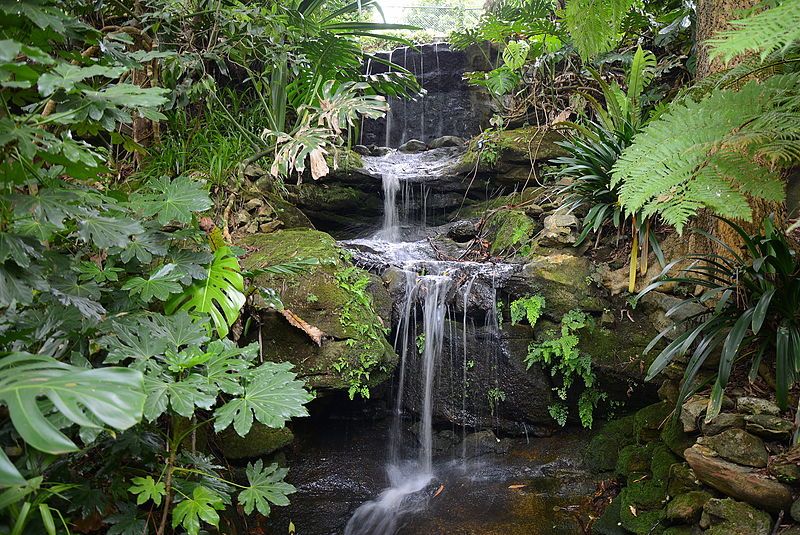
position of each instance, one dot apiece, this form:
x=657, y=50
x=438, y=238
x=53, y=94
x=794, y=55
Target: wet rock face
x=449, y=104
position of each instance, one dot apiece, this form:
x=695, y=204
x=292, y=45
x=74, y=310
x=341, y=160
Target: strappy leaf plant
x=750, y=317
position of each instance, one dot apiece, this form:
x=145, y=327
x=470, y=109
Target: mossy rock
x=661, y=462
x=260, y=441
x=344, y=160
x=523, y=200
x=515, y=149
x=648, y=421
x=675, y=438
x=687, y=508
x=609, y=522
x=604, y=448
x=681, y=479
x=678, y=530
x=323, y=296
x=729, y=517
x=642, y=507
x=634, y=459
x=509, y=230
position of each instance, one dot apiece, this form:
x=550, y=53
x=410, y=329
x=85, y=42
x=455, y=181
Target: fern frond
x=766, y=32
x=594, y=24
x=711, y=153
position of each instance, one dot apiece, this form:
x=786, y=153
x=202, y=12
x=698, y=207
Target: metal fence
x=441, y=20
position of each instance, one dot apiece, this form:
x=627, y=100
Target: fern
x=594, y=25
x=775, y=29
x=529, y=308
x=709, y=153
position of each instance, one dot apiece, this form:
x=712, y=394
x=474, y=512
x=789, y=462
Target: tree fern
x=772, y=30
x=594, y=25
x=713, y=153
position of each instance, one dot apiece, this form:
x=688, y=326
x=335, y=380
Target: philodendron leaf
x=271, y=393
x=160, y=284
x=172, y=200
x=87, y=397
x=220, y=294
x=266, y=485
x=146, y=488
x=202, y=505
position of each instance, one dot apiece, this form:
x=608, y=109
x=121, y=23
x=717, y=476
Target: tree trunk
x=714, y=16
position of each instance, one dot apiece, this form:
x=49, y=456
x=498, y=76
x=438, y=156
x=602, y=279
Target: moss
x=509, y=230
x=609, y=521
x=522, y=199
x=729, y=517
x=260, y=441
x=634, y=459
x=661, y=462
x=641, y=509
x=344, y=159
x=678, y=530
x=687, y=508
x=513, y=146
x=648, y=421
x=675, y=438
x=603, y=451
x=356, y=343
x=681, y=479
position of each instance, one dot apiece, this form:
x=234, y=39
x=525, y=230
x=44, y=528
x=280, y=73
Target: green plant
x=559, y=412
x=355, y=282
x=755, y=296
x=527, y=308
x=420, y=341
x=495, y=396
x=563, y=357
x=765, y=32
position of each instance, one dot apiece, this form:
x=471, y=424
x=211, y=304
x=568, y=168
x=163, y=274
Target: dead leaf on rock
x=296, y=321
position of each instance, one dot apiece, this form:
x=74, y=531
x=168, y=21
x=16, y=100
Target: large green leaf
x=160, y=284
x=183, y=395
x=220, y=295
x=106, y=232
x=272, y=394
x=172, y=200
x=202, y=505
x=87, y=397
x=266, y=485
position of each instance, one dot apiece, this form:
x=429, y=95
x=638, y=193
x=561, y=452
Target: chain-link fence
x=441, y=20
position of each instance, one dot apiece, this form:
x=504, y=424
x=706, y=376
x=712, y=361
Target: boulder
x=681, y=479
x=768, y=426
x=729, y=517
x=259, y=442
x=722, y=422
x=363, y=150
x=661, y=303
x=609, y=522
x=413, y=145
x=740, y=447
x=559, y=230
x=322, y=296
x=751, y=405
x=687, y=508
x=447, y=141
x=602, y=455
x=462, y=231
x=642, y=506
x=692, y=411
x=649, y=421
x=380, y=151
x=481, y=443
x=737, y=481
x=508, y=231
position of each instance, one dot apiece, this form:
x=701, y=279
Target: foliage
x=753, y=297
x=495, y=396
x=355, y=282
x=563, y=357
x=595, y=26
x=771, y=30
x=527, y=308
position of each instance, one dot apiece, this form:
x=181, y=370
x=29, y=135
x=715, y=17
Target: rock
x=678, y=530
x=740, y=447
x=729, y=517
x=447, y=141
x=482, y=443
x=559, y=229
x=795, y=510
x=661, y=303
x=462, y=231
x=363, y=150
x=634, y=460
x=768, y=426
x=641, y=507
x=681, y=479
x=533, y=210
x=662, y=462
x=785, y=472
x=509, y=230
x=687, y=508
x=738, y=481
x=692, y=410
x=722, y=422
x=669, y=391
x=603, y=452
x=413, y=145
x=609, y=522
x=318, y=296
x=674, y=437
x=336, y=205
x=380, y=151
x=253, y=204
x=648, y=422
x=751, y=405
x=259, y=442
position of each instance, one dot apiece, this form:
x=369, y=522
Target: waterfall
x=391, y=218
x=389, y=113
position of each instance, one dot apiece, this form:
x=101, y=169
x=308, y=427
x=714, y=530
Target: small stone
x=687, y=508
x=559, y=229
x=795, y=510
x=242, y=217
x=462, y=231
x=533, y=210
x=752, y=405
x=668, y=391
x=681, y=479
x=272, y=226
x=785, y=472
x=380, y=151
x=253, y=203
x=768, y=426
x=722, y=422
x=363, y=150
x=413, y=145
x=691, y=412
x=729, y=517
x=481, y=443
x=740, y=447
x=447, y=141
